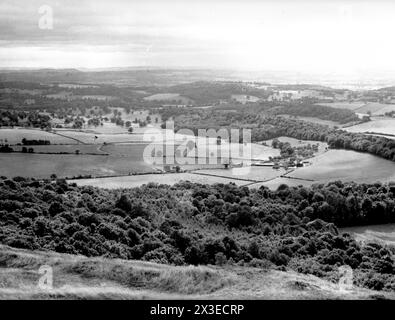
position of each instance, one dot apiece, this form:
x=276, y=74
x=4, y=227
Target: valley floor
x=79, y=277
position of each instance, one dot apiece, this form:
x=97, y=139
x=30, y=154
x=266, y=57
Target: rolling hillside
x=79, y=277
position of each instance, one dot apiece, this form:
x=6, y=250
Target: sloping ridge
x=79, y=277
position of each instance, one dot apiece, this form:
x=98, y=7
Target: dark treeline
x=10, y=118
x=290, y=228
x=317, y=111
x=35, y=142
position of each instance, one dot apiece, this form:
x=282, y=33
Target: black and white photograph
x=169, y=150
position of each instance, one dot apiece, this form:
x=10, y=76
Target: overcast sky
x=283, y=35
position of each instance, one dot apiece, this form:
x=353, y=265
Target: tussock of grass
x=191, y=280
x=185, y=280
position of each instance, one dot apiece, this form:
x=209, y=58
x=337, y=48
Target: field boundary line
x=230, y=178
x=64, y=136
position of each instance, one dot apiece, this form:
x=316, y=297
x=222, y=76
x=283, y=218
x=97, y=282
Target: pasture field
x=21, y=91
x=43, y=165
x=275, y=183
x=384, y=126
x=87, y=136
x=343, y=105
x=106, y=128
x=375, y=108
x=95, y=97
x=16, y=135
x=247, y=173
x=347, y=165
x=76, y=86
x=383, y=233
x=240, y=151
x=69, y=148
x=139, y=180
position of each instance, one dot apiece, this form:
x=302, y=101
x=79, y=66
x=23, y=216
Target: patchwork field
x=347, y=165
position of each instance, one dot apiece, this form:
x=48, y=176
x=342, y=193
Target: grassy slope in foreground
x=79, y=277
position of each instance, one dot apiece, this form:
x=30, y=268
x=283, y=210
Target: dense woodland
x=290, y=228
x=322, y=112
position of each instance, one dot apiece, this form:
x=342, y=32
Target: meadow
x=69, y=165
x=385, y=126
x=346, y=165
x=69, y=148
x=276, y=182
x=245, y=173
x=169, y=178
x=375, y=108
x=15, y=135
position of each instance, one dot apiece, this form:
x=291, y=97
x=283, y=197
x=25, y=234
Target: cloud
x=297, y=35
